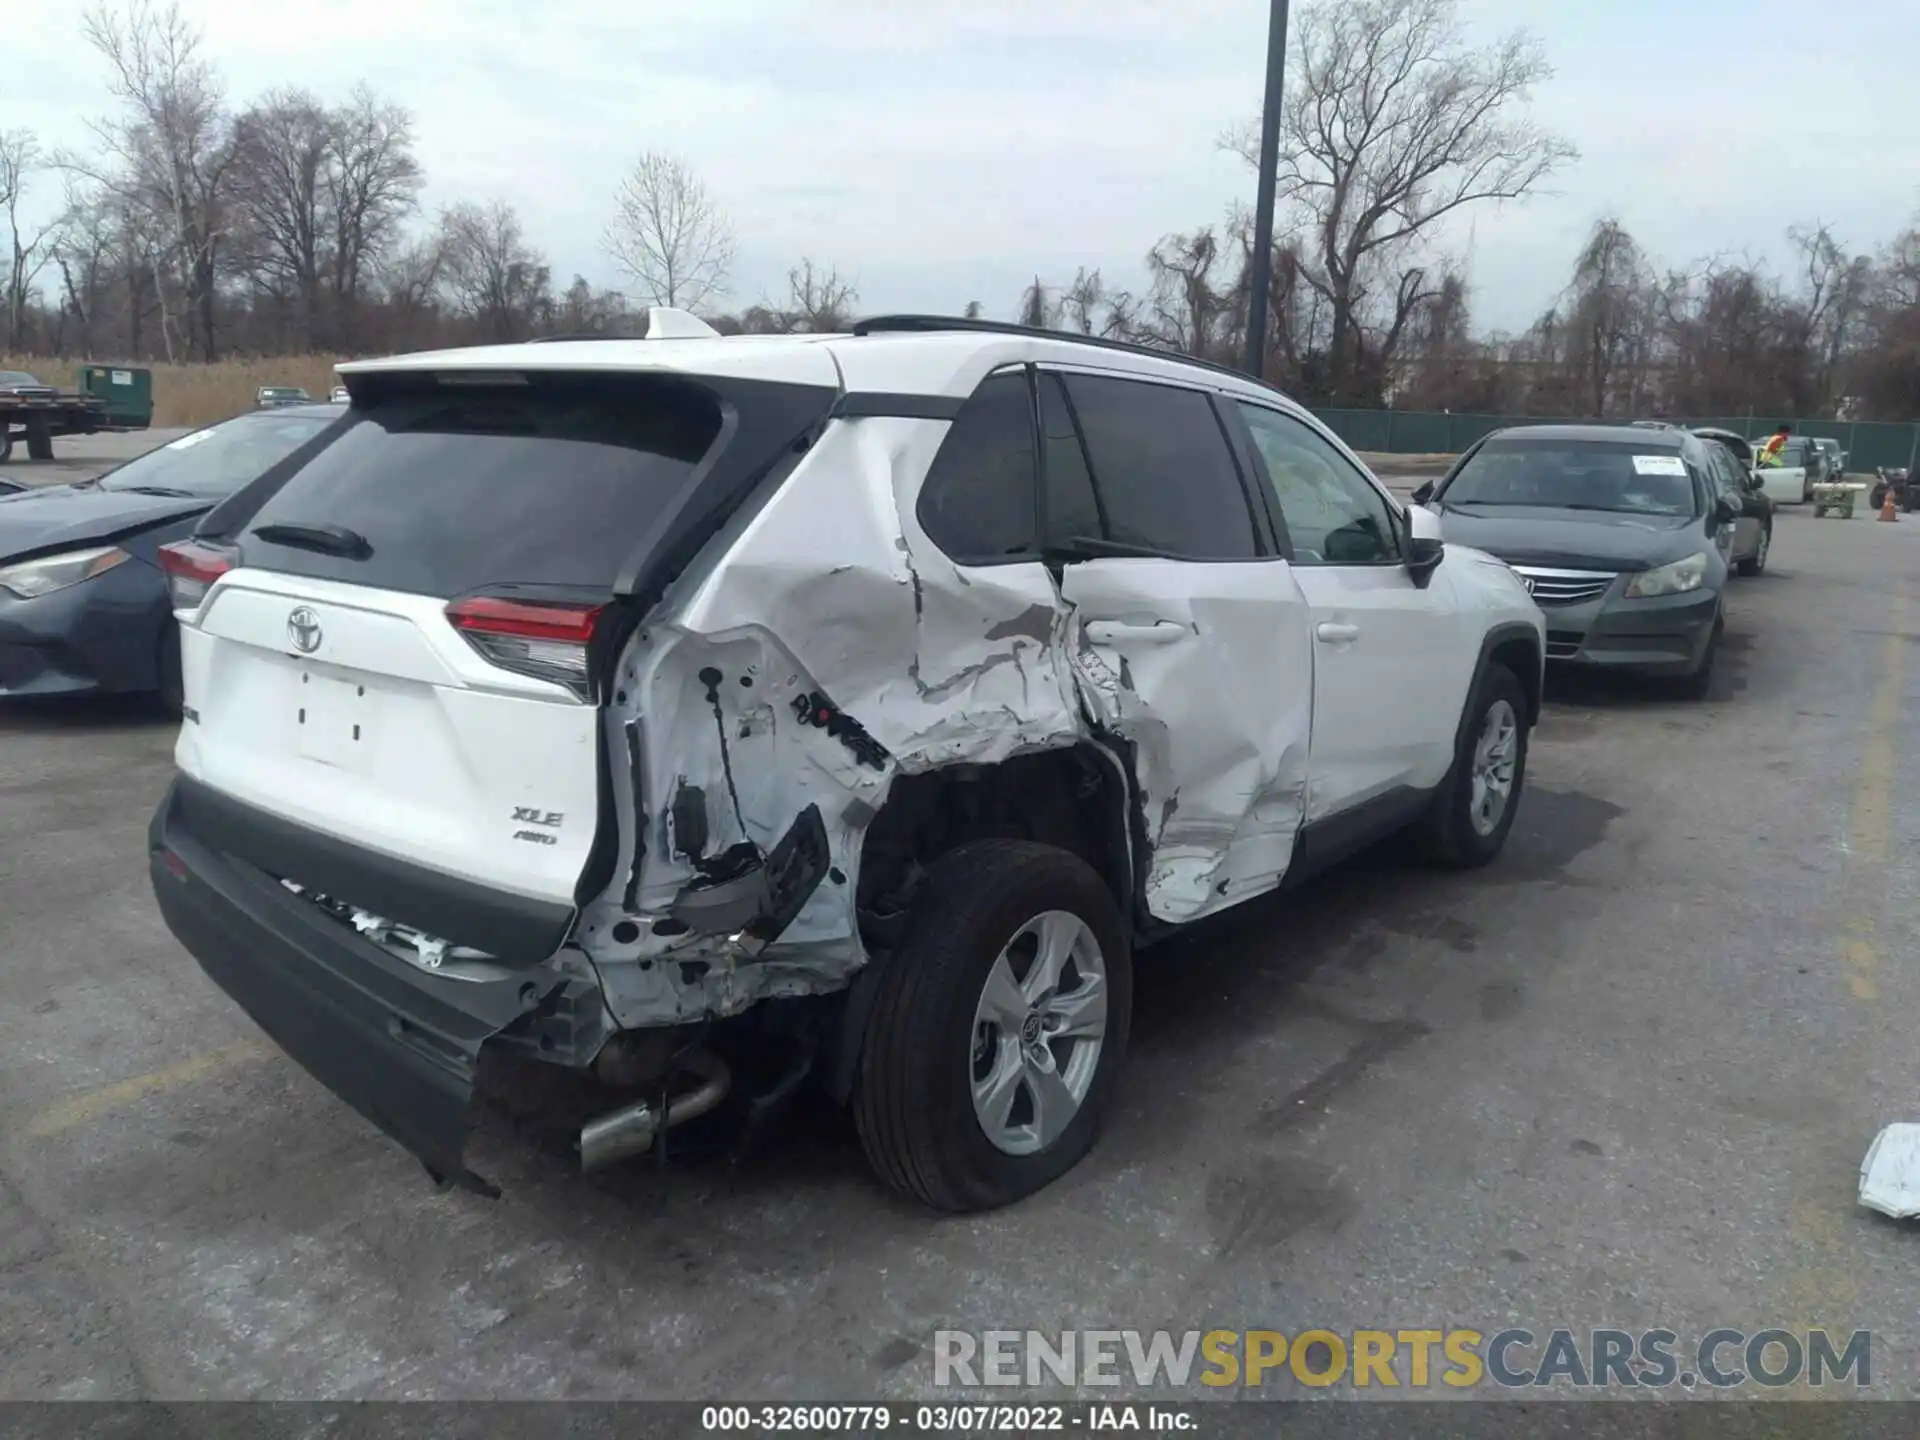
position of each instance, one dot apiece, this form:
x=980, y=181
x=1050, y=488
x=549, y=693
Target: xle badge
x=527, y=815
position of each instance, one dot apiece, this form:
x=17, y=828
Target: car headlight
x=1675, y=579
x=30, y=578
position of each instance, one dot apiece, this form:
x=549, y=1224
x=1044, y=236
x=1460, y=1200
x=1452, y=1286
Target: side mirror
x=1423, y=492
x=1425, y=548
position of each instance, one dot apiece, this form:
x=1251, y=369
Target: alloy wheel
x=1037, y=1032
x=1496, y=755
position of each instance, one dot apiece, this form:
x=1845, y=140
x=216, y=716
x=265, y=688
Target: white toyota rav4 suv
x=707, y=714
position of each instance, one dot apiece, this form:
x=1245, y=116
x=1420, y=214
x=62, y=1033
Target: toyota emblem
x=303, y=628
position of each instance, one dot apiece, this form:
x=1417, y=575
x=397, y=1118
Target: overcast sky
x=942, y=152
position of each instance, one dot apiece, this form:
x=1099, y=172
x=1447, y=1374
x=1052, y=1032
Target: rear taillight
x=546, y=640
x=191, y=567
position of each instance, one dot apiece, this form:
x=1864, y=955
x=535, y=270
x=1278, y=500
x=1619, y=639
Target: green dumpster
x=127, y=389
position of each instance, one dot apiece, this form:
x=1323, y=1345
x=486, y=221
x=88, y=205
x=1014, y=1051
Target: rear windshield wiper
x=328, y=539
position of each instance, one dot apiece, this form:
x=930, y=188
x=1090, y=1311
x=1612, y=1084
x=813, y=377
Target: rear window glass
x=1624, y=476
x=466, y=488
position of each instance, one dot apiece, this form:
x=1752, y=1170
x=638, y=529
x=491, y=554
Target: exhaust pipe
x=632, y=1129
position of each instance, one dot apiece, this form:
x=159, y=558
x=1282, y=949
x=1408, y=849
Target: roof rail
x=933, y=324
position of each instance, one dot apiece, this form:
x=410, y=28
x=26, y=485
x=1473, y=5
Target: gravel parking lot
x=1623, y=1077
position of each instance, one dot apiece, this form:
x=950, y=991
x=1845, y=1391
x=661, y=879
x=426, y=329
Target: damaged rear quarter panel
x=829, y=590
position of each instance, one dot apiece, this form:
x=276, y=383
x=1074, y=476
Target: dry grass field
x=198, y=394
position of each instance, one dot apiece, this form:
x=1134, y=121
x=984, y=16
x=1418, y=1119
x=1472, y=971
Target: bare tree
x=1608, y=314
x=1391, y=125
x=1083, y=304
x=496, y=277
x=584, y=310
x=819, y=300
x=1036, y=307
x=83, y=248
x=170, y=149
x=19, y=154
x=319, y=194
x=668, y=235
x=1189, y=305
x=283, y=146
x=373, y=185
x=1836, y=289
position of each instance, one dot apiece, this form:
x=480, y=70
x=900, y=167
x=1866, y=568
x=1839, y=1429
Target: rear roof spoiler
x=663, y=323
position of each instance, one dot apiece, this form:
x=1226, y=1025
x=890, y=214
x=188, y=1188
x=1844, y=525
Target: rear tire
x=6, y=445
x=1755, y=563
x=1878, y=497
x=1454, y=832
x=39, y=446
x=932, y=1043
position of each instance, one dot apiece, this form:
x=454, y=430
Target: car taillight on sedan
x=542, y=639
x=191, y=567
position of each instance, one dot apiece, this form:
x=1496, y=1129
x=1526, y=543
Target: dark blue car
x=83, y=605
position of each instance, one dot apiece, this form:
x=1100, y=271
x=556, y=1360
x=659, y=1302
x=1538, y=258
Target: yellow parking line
x=1824, y=1289
x=1870, y=822
x=90, y=1105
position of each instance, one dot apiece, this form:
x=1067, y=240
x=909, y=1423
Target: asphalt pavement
x=1625, y=1076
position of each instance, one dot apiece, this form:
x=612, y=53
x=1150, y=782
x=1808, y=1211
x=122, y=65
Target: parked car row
x=1625, y=536
x=83, y=604
x=707, y=715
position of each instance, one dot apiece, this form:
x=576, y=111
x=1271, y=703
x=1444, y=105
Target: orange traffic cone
x=1886, y=506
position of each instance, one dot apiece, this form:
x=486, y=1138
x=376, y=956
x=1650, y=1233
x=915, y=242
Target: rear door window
x=980, y=498
x=1163, y=468
x=465, y=488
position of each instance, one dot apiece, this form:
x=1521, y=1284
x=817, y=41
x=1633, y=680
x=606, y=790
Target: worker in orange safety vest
x=1770, y=452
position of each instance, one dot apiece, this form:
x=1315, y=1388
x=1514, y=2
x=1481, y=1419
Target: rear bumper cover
x=399, y=1045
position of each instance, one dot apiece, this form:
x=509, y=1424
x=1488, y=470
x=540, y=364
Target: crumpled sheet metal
x=822, y=593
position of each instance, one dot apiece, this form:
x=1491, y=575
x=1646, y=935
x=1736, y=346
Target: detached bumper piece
x=757, y=905
x=397, y=1044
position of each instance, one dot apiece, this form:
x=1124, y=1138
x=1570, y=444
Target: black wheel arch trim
x=1498, y=636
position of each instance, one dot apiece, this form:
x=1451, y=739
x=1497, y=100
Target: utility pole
x=1261, y=280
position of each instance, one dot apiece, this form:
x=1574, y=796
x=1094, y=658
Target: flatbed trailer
x=43, y=415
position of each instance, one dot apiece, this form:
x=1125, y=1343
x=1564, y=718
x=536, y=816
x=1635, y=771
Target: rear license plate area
x=332, y=720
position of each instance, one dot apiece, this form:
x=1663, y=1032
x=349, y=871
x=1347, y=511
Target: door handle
x=1117, y=632
x=1334, y=632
